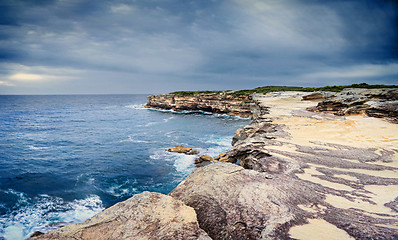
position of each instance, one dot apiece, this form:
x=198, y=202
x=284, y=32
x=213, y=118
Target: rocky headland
x=305, y=168
x=219, y=102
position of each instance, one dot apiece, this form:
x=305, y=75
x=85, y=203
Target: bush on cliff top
x=267, y=89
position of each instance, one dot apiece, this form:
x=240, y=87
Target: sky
x=159, y=46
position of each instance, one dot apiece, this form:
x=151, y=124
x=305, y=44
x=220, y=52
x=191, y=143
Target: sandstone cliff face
x=380, y=103
x=209, y=102
x=144, y=216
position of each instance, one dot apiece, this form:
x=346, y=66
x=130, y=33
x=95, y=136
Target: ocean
x=65, y=158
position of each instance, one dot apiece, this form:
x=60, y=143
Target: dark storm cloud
x=78, y=46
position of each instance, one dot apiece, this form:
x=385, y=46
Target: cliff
x=222, y=103
x=295, y=174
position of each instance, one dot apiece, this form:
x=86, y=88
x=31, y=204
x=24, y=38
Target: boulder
x=314, y=96
x=227, y=159
x=179, y=149
x=143, y=216
x=204, y=158
x=235, y=203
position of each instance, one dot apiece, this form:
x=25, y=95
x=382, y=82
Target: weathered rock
x=381, y=103
x=318, y=96
x=144, y=216
x=203, y=158
x=227, y=159
x=235, y=203
x=180, y=149
x=37, y=233
x=284, y=185
x=383, y=109
x=222, y=156
x=209, y=102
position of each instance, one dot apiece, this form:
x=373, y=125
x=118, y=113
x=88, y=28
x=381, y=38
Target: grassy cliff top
x=267, y=89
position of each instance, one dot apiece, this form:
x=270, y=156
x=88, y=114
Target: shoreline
x=288, y=185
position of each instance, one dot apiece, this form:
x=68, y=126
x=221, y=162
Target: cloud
x=26, y=77
x=358, y=71
x=121, y=9
x=205, y=44
x=4, y=83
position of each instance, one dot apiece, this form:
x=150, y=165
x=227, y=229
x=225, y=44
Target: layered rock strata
x=380, y=103
x=208, y=102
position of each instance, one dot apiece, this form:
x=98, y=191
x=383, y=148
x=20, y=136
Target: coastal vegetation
x=267, y=89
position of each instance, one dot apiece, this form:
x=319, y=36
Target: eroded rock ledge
x=209, y=102
x=379, y=103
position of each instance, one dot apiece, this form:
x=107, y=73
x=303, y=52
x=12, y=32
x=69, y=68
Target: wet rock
x=36, y=234
x=144, y=216
x=221, y=156
x=204, y=158
x=227, y=159
x=179, y=149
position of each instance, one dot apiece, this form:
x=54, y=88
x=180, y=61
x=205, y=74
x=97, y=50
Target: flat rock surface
x=303, y=175
x=144, y=216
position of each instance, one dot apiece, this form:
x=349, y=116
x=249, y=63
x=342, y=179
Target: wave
x=186, y=112
x=36, y=148
x=136, y=106
x=168, y=119
x=44, y=213
x=199, y=112
x=131, y=138
x=122, y=189
x=182, y=163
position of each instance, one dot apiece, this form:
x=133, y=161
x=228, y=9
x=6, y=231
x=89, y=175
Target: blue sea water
x=65, y=158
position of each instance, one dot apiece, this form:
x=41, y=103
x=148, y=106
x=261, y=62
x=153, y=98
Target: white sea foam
x=133, y=138
x=167, y=119
x=148, y=124
x=219, y=144
x=184, y=163
x=37, y=214
x=123, y=189
x=136, y=106
x=218, y=115
x=180, y=112
x=36, y=148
